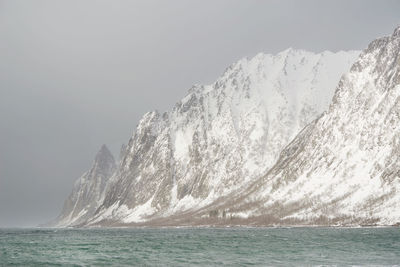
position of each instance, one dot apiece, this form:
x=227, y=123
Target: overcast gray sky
x=77, y=74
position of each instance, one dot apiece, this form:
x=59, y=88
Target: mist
x=78, y=74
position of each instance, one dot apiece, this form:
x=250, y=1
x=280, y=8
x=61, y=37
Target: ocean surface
x=200, y=247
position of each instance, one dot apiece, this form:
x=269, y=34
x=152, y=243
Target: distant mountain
x=88, y=191
x=214, y=143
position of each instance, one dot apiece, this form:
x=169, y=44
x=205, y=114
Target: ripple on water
x=207, y=246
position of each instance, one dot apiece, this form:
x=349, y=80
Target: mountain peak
x=104, y=156
x=87, y=191
x=396, y=32
x=104, y=150
x=292, y=51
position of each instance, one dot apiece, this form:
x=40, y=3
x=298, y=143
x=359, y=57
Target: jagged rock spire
x=88, y=190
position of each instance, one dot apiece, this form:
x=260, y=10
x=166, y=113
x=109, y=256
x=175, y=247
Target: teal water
x=204, y=247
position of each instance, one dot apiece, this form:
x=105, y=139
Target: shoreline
x=211, y=227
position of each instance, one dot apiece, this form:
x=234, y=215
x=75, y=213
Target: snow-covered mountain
x=88, y=191
x=220, y=138
x=343, y=168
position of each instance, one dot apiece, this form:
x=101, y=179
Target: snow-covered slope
x=88, y=190
x=343, y=168
x=220, y=137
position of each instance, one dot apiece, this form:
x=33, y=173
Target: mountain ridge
x=219, y=137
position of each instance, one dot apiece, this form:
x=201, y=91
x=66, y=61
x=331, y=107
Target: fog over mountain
x=213, y=143
x=265, y=145
x=75, y=75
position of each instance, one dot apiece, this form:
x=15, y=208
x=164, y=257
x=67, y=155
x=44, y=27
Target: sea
x=312, y=246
